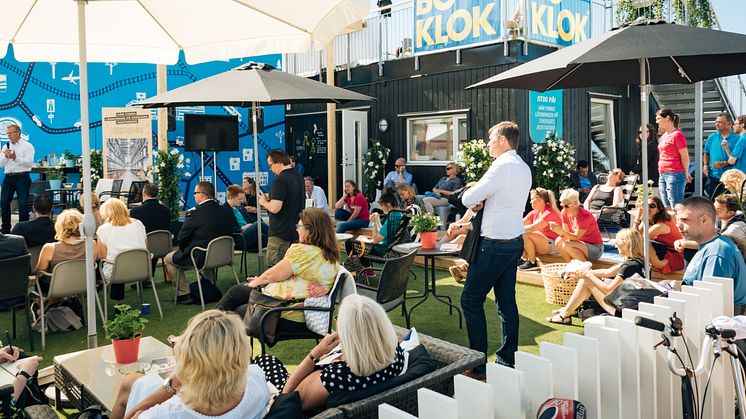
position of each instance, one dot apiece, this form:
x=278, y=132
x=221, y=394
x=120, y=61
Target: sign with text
x=559, y=22
x=447, y=24
x=544, y=114
x=127, y=150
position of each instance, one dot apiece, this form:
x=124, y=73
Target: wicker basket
x=556, y=289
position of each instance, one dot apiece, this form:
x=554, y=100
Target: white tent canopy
x=154, y=31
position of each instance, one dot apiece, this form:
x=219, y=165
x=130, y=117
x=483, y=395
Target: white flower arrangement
x=374, y=165
x=552, y=162
x=473, y=159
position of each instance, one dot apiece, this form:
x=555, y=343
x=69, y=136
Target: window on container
x=435, y=139
x=603, y=140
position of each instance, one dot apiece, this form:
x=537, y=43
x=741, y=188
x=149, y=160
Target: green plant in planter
x=423, y=223
x=97, y=167
x=638, y=191
x=54, y=173
x=126, y=324
x=68, y=155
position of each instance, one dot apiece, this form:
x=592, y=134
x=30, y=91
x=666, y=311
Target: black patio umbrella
x=643, y=52
x=251, y=85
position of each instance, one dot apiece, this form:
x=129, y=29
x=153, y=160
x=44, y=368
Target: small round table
x=429, y=256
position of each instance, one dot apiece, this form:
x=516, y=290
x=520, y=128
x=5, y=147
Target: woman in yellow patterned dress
x=308, y=269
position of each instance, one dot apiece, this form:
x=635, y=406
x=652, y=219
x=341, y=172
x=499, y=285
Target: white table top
x=97, y=371
x=343, y=236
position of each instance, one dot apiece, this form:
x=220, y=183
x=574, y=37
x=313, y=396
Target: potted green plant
x=54, y=176
x=124, y=330
x=425, y=225
x=70, y=158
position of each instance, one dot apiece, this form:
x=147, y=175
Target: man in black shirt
x=40, y=230
x=153, y=215
x=284, y=203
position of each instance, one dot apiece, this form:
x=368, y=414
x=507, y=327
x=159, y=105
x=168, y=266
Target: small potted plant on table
x=54, y=176
x=124, y=330
x=425, y=225
x=70, y=158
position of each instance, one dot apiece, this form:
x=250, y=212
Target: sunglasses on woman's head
x=652, y=205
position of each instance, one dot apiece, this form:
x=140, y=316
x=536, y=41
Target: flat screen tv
x=210, y=132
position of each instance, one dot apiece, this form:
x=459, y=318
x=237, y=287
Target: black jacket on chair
x=207, y=221
x=12, y=246
x=36, y=232
x=153, y=215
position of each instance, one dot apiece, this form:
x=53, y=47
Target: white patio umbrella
x=155, y=31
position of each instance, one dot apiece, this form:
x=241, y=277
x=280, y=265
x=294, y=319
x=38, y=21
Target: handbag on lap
x=259, y=305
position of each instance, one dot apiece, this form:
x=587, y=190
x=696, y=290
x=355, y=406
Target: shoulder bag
x=259, y=305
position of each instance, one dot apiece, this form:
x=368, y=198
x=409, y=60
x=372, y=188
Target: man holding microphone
x=504, y=190
x=16, y=157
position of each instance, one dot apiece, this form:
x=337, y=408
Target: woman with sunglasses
x=663, y=235
x=608, y=194
x=601, y=282
x=537, y=237
x=578, y=237
x=308, y=269
x=443, y=189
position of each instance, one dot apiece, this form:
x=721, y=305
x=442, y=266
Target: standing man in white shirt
x=316, y=193
x=16, y=157
x=504, y=190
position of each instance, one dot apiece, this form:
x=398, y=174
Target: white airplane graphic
x=72, y=79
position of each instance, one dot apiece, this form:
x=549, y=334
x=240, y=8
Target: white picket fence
x=612, y=369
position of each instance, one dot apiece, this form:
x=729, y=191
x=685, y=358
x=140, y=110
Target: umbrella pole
x=644, y=148
x=256, y=180
x=89, y=222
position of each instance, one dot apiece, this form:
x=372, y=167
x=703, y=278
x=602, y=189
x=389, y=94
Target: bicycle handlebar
x=650, y=324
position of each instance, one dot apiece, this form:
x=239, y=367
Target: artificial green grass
x=430, y=318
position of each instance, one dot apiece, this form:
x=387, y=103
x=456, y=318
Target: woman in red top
x=673, y=158
x=537, y=237
x=357, y=215
x=579, y=236
x=663, y=230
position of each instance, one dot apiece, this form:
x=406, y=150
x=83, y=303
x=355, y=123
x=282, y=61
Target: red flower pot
x=428, y=239
x=126, y=351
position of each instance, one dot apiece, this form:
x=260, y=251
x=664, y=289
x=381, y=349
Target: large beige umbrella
x=156, y=31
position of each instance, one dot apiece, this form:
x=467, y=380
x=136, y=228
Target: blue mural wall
x=43, y=98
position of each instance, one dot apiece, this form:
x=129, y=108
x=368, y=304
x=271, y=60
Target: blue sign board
x=544, y=114
x=447, y=24
x=559, y=22
x=43, y=98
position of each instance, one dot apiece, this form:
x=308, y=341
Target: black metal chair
x=290, y=330
x=240, y=245
x=392, y=287
x=133, y=195
x=116, y=188
x=14, y=281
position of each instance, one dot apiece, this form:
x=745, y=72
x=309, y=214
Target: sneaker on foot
x=528, y=266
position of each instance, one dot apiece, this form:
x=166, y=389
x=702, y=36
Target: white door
x=354, y=144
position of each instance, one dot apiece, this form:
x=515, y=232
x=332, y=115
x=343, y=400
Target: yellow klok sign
x=559, y=22
x=447, y=24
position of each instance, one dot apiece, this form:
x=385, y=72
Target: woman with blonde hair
x=410, y=202
x=445, y=187
x=69, y=245
x=212, y=377
x=734, y=180
x=308, y=269
x=95, y=207
x=117, y=234
x=578, y=237
x=363, y=353
x=601, y=282
x=609, y=194
x=537, y=237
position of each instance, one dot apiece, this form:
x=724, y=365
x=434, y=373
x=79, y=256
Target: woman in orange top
x=663, y=233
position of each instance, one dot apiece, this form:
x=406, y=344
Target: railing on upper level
x=390, y=37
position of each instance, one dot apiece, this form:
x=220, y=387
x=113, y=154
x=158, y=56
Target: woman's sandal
x=558, y=319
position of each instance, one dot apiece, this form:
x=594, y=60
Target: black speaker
x=171, y=119
x=259, y=121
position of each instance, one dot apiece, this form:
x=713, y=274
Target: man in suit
x=153, y=215
x=207, y=221
x=10, y=247
x=40, y=230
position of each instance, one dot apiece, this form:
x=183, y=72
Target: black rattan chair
x=400, y=235
x=392, y=287
x=14, y=274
